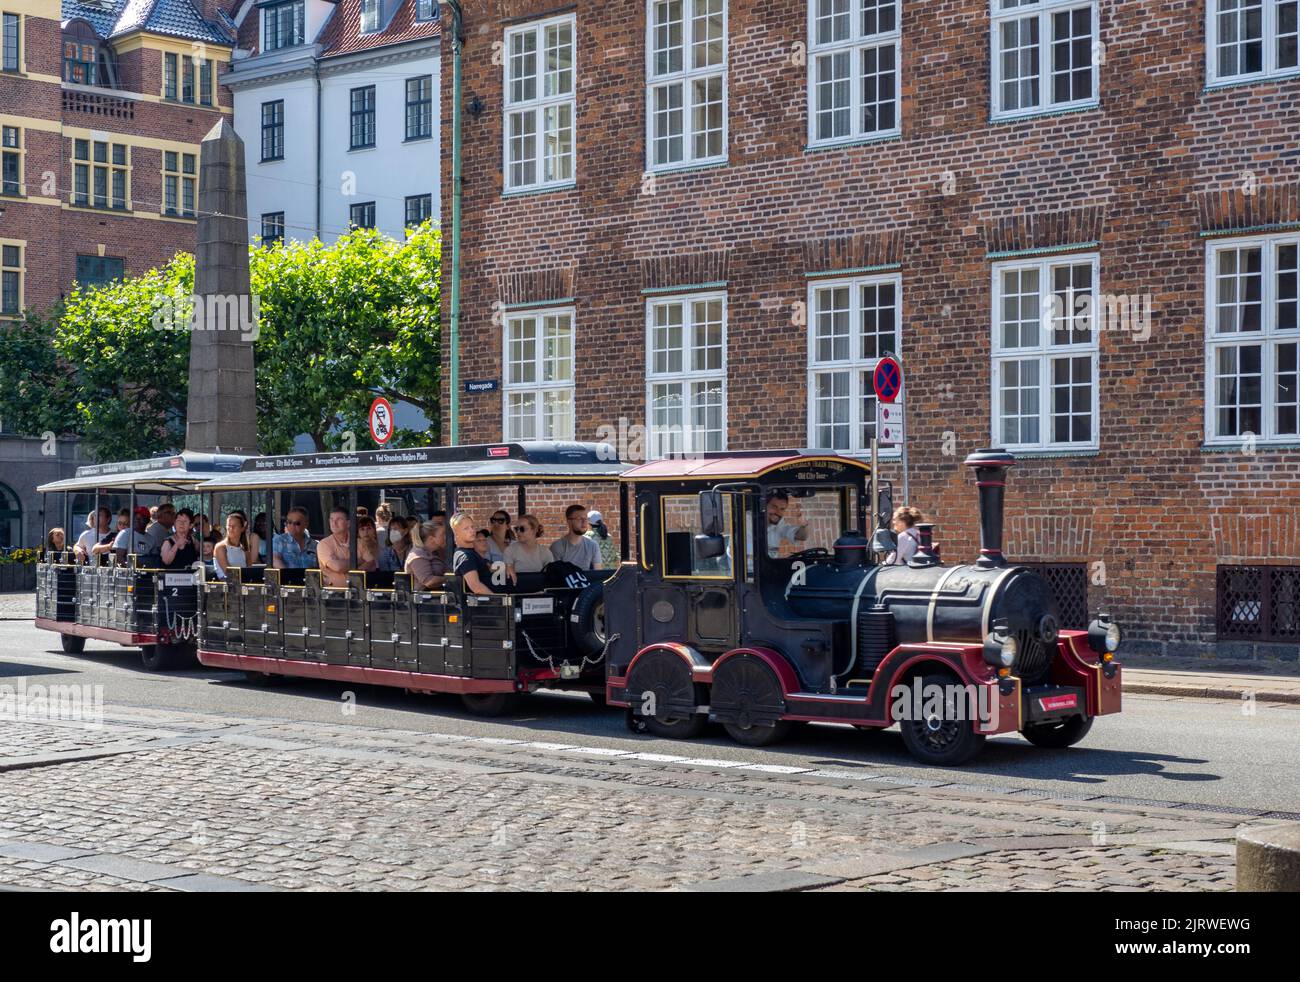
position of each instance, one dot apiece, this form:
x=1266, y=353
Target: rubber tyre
x=598, y=698
x=158, y=657
x=1059, y=735
x=73, y=644
x=747, y=687
x=945, y=741
x=587, y=633
x=758, y=736
x=490, y=703
x=667, y=677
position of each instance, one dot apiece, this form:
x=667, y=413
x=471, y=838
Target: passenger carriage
x=729, y=617
x=383, y=629
x=134, y=605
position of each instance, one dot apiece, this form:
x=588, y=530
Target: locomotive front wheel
x=1059, y=735
x=944, y=737
x=72, y=643
x=750, y=700
x=665, y=696
x=490, y=703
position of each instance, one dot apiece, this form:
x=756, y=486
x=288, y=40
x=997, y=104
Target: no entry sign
x=381, y=420
x=887, y=379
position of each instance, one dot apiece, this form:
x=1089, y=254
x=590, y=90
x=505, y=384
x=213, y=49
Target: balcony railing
x=94, y=104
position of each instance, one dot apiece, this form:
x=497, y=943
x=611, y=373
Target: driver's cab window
x=681, y=523
x=799, y=519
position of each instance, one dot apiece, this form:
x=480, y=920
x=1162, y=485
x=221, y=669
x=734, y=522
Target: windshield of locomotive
x=799, y=519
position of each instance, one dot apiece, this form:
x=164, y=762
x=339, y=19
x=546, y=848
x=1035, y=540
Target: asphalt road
x=1162, y=748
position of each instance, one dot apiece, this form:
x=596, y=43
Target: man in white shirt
x=778, y=529
x=133, y=540
x=94, y=532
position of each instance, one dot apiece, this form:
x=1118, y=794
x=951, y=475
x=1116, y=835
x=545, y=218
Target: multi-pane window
x=1252, y=335
x=362, y=215
x=11, y=280
x=79, y=62
x=426, y=10
x=538, y=396
x=853, y=66
x=99, y=174
x=171, y=75
x=369, y=16
x=686, y=87
x=419, y=107
x=98, y=270
x=362, y=128
x=180, y=183
x=273, y=130
x=686, y=374
x=1251, y=38
x=10, y=42
x=11, y=160
x=852, y=324
x=540, y=109
x=187, y=79
x=282, y=25
x=1044, y=55
x=419, y=208
x=1045, y=331
x=272, y=228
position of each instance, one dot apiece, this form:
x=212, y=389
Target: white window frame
x=689, y=374
x=1000, y=13
x=1269, y=36
x=538, y=106
x=1045, y=352
x=856, y=45
x=1268, y=338
x=855, y=365
x=537, y=386
x=683, y=79
x=370, y=11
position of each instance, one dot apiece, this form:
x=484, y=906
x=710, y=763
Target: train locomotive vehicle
x=756, y=603
x=382, y=628
x=135, y=605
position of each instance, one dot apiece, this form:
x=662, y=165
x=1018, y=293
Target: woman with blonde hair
x=235, y=548
x=909, y=539
x=527, y=554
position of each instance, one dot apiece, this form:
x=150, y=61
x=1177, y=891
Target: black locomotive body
x=754, y=620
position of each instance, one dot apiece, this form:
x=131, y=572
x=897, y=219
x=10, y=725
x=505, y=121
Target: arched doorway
x=11, y=519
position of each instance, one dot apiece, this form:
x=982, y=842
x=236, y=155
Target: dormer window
x=79, y=62
x=369, y=16
x=282, y=25
x=87, y=60
x=426, y=10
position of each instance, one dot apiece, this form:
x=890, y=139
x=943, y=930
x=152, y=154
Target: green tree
x=338, y=324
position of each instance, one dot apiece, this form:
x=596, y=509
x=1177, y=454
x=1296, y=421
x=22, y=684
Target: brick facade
x=1142, y=180
x=52, y=116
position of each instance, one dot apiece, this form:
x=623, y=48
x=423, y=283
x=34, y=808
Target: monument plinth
x=222, y=412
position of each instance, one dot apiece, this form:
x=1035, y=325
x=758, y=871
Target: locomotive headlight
x=1000, y=647
x=1104, y=636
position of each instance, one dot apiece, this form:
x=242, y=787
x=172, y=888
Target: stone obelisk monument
x=222, y=414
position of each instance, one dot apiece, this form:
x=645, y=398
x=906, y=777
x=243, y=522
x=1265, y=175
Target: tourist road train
x=731, y=610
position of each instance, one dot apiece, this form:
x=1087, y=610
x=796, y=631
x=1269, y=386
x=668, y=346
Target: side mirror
x=710, y=546
x=712, y=519
x=886, y=506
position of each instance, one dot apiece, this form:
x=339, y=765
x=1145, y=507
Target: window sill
x=1004, y=120
x=419, y=139
x=667, y=169
x=526, y=192
x=1261, y=446
x=369, y=146
x=100, y=210
x=863, y=141
x=270, y=160
x=1054, y=454
x=1237, y=83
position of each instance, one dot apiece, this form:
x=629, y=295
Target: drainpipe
x=315, y=67
x=457, y=44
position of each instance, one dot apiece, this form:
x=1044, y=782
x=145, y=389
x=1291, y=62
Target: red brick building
x=103, y=104
x=1075, y=220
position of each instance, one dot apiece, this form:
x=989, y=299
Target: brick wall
x=1158, y=164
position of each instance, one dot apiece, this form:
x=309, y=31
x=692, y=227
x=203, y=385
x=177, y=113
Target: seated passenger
x=527, y=554
x=180, y=550
x=475, y=571
x=367, y=545
x=424, y=562
x=482, y=538
x=107, y=540
x=259, y=530
x=234, y=549
x=55, y=541
x=334, y=552
x=500, y=536
x=294, y=548
x=392, y=558
x=132, y=541
x=164, y=517
x=599, y=534
x=383, y=520
x=574, y=547
x=208, y=536
x=97, y=525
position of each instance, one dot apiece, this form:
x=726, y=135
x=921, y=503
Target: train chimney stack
x=991, y=478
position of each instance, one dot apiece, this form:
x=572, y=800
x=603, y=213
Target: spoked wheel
x=944, y=734
x=749, y=700
x=490, y=703
x=664, y=698
x=1059, y=734
x=73, y=644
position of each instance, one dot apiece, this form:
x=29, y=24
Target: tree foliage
x=338, y=325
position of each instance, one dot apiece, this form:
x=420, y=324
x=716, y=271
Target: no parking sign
x=887, y=380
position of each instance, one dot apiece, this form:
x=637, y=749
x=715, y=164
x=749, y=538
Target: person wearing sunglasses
x=500, y=536
x=526, y=554
x=294, y=548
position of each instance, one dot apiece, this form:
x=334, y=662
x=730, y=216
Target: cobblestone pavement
x=17, y=606
x=157, y=799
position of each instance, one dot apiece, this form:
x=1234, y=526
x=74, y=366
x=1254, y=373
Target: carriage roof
x=170, y=473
